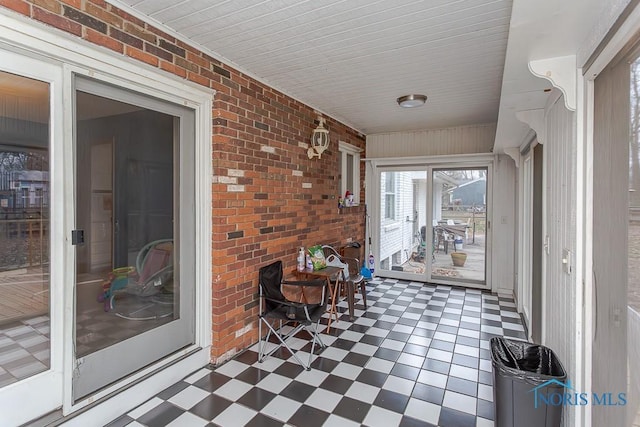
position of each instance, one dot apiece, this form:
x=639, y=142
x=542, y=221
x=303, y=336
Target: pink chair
x=152, y=273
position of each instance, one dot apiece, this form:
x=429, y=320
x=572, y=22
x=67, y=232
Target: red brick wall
x=263, y=208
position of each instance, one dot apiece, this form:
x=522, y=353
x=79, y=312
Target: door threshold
x=142, y=388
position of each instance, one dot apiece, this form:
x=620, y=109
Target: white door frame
x=125, y=75
x=525, y=235
x=29, y=39
x=103, y=366
x=44, y=389
x=376, y=222
x=372, y=183
x=488, y=230
x=625, y=32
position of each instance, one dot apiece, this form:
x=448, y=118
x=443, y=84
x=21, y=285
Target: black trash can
x=528, y=384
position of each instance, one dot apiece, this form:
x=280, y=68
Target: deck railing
x=23, y=243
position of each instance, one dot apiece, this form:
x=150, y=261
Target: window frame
x=344, y=150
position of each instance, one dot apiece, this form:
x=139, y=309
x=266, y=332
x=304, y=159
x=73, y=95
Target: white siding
x=398, y=234
x=559, y=288
x=432, y=142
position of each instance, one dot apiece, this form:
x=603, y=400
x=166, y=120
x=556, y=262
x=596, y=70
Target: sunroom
x=154, y=155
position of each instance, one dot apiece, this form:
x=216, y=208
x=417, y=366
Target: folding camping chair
x=276, y=311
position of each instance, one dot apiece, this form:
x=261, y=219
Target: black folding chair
x=277, y=311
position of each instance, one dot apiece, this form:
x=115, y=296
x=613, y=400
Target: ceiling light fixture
x=410, y=101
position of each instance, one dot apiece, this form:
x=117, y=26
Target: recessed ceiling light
x=410, y=101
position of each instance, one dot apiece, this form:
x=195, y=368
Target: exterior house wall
x=474, y=193
x=398, y=233
x=268, y=197
x=437, y=200
x=421, y=202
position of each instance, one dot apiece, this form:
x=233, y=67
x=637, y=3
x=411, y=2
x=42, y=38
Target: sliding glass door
x=432, y=224
x=30, y=259
x=134, y=234
x=459, y=225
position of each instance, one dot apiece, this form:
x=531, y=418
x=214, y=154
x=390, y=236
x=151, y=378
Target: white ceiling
x=351, y=59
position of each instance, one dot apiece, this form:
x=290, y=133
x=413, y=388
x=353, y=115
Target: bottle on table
x=301, y=259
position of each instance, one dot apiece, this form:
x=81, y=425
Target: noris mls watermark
x=557, y=393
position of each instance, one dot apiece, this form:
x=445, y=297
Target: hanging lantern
x=319, y=140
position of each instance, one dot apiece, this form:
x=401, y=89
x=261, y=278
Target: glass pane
x=403, y=245
x=633, y=331
x=388, y=186
x=349, y=180
x=340, y=191
x=125, y=207
x=24, y=228
x=459, y=224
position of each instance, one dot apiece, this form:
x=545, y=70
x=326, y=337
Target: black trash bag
x=532, y=363
x=520, y=367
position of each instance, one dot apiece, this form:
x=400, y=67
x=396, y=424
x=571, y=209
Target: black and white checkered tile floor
x=418, y=356
x=24, y=349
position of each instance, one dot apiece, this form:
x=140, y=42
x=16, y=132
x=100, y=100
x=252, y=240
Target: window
x=389, y=195
x=349, y=167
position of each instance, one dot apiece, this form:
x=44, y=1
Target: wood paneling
x=559, y=292
x=432, y=142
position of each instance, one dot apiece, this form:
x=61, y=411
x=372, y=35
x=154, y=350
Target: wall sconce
x=319, y=140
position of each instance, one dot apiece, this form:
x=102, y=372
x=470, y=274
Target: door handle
x=77, y=237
